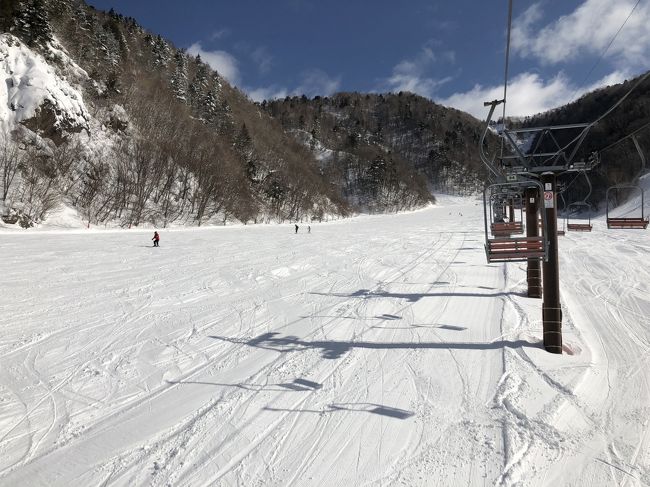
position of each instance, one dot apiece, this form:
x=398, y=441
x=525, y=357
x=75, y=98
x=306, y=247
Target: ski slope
x=379, y=350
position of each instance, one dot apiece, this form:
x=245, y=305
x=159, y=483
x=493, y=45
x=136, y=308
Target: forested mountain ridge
x=380, y=136
x=156, y=135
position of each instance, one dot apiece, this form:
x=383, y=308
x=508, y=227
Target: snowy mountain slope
x=32, y=83
x=374, y=351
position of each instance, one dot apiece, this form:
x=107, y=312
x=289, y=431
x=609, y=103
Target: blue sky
x=451, y=51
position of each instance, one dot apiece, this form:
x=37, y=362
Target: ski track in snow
x=380, y=350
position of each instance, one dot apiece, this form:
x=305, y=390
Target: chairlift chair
x=506, y=248
x=640, y=222
x=628, y=222
x=498, y=226
x=578, y=226
x=576, y=207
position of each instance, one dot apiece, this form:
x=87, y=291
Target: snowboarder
x=296, y=228
x=156, y=239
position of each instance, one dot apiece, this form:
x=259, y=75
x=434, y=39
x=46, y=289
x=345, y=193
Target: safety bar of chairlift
x=502, y=229
x=524, y=184
x=505, y=197
x=623, y=186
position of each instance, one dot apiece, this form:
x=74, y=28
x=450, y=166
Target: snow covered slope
x=374, y=351
x=31, y=81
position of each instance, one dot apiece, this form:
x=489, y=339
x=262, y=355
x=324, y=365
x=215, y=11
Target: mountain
x=121, y=127
x=125, y=128
x=391, y=148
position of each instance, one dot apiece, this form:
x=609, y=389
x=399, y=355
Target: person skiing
x=308, y=228
x=296, y=228
x=156, y=239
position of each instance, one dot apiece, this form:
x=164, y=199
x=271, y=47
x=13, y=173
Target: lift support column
x=551, y=310
x=534, y=270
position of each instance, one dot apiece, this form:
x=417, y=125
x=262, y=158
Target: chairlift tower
x=532, y=158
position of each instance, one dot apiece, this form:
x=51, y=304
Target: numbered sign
x=548, y=199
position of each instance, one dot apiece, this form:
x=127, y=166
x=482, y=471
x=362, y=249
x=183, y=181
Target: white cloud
x=220, y=34
x=588, y=30
x=313, y=82
x=263, y=59
x=528, y=94
x=222, y=62
x=317, y=82
x=269, y=93
x=411, y=74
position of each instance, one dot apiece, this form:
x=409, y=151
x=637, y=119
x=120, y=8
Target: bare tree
x=10, y=161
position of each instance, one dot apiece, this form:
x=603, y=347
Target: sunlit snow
x=379, y=350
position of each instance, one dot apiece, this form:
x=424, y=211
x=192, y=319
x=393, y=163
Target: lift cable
x=625, y=137
x=591, y=125
x=507, y=66
x=610, y=110
x=607, y=48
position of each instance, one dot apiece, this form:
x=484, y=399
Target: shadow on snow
x=414, y=297
x=332, y=349
x=354, y=407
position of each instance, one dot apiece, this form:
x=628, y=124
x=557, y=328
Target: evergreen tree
x=32, y=23
x=199, y=83
x=210, y=107
x=226, y=124
x=179, y=78
x=161, y=51
x=8, y=9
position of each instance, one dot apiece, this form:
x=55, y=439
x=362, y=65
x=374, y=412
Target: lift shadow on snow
x=299, y=385
x=333, y=349
x=353, y=407
x=416, y=325
x=414, y=297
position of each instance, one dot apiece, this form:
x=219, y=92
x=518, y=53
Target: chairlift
x=578, y=225
x=628, y=222
x=506, y=248
x=502, y=225
x=577, y=207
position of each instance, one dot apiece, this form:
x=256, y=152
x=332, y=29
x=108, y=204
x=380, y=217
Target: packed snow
x=378, y=350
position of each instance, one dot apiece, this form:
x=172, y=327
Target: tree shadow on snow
x=333, y=349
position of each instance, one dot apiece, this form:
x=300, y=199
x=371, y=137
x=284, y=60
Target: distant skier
x=308, y=228
x=156, y=239
x=296, y=228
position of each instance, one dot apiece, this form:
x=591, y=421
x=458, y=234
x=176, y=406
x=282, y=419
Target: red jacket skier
x=156, y=239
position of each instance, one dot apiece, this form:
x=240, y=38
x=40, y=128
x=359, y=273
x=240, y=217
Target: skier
x=296, y=228
x=308, y=228
x=156, y=239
